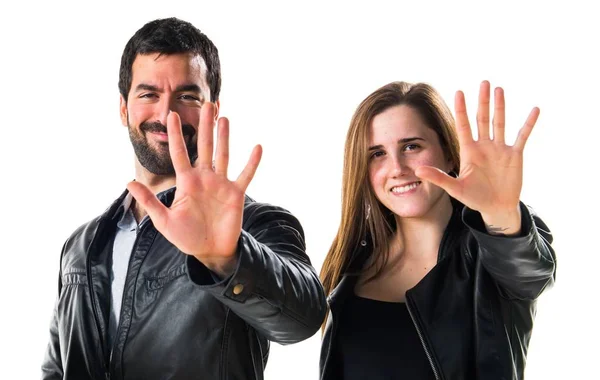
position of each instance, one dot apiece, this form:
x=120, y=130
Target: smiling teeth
x=404, y=189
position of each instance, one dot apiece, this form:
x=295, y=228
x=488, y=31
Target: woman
x=437, y=265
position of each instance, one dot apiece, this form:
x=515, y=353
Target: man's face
x=161, y=84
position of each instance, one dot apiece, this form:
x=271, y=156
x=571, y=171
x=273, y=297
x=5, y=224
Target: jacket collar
x=117, y=208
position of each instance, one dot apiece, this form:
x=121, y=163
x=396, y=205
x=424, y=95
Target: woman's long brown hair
x=358, y=198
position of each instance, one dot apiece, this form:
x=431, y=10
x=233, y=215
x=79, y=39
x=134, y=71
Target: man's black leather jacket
x=474, y=310
x=176, y=322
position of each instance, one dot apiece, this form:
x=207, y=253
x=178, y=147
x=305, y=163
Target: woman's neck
x=415, y=237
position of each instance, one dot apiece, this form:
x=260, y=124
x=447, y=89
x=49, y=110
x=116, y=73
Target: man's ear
x=123, y=111
x=217, y=106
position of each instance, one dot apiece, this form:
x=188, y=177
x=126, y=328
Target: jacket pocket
x=162, y=279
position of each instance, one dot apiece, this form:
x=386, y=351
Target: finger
x=440, y=179
x=222, y=153
x=499, y=114
x=177, y=149
x=205, y=136
x=526, y=129
x=463, y=129
x=148, y=201
x=483, y=112
x=247, y=174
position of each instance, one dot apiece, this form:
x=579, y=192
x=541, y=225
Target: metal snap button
x=237, y=289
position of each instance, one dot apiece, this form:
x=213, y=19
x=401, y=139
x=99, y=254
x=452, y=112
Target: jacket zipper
x=423, y=343
x=112, y=349
x=443, y=244
x=253, y=337
x=99, y=231
x=329, y=345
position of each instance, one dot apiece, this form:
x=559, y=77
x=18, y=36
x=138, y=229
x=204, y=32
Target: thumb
x=438, y=178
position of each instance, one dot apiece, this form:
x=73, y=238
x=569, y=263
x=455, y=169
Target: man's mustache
x=156, y=127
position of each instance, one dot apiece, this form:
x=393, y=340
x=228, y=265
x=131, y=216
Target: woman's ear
x=450, y=165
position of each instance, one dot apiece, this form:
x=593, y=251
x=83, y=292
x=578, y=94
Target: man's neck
x=154, y=183
x=138, y=212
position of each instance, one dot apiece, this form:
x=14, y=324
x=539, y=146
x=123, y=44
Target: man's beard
x=157, y=160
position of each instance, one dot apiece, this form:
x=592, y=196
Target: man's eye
x=189, y=97
x=148, y=96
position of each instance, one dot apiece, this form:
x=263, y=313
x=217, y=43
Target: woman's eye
x=410, y=147
x=376, y=154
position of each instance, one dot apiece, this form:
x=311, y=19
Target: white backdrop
x=293, y=74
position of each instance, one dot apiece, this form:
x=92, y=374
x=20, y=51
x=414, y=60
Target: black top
x=378, y=340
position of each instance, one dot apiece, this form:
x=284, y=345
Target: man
x=184, y=276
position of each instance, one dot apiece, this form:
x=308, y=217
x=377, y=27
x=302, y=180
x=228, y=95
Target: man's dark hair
x=171, y=36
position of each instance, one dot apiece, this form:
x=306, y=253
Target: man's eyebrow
x=189, y=88
x=146, y=87
x=183, y=88
x=401, y=141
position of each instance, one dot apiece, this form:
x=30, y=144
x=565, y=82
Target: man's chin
x=158, y=165
x=162, y=171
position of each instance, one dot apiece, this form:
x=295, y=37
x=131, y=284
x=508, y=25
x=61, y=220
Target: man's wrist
x=223, y=267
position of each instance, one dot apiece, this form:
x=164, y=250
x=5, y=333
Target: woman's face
x=399, y=143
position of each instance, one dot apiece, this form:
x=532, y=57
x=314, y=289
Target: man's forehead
x=157, y=56
x=169, y=63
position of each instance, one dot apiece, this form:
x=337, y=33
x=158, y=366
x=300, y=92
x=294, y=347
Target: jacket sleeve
x=524, y=265
x=52, y=364
x=274, y=288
